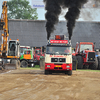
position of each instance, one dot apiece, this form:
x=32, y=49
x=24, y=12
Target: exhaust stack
x=69, y=41
x=48, y=41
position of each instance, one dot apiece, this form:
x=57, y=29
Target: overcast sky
x=87, y=14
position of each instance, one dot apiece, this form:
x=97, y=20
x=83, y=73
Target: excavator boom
x=4, y=29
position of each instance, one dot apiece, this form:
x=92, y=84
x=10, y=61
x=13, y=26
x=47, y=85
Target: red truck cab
x=56, y=59
x=37, y=54
x=85, y=55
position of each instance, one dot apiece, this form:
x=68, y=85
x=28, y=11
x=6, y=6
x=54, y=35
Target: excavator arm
x=4, y=29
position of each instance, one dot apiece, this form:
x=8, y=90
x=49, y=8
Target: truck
x=37, y=54
x=97, y=53
x=22, y=48
x=58, y=56
x=27, y=59
x=85, y=55
x=10, y=49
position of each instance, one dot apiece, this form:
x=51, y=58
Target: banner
x=37, y=4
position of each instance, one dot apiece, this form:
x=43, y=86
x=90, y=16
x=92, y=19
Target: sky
x=87, y=13
x=40, y=11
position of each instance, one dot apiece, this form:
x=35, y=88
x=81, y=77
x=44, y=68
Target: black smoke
x=53, y=10
x=54, y=7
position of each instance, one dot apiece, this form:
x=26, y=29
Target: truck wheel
x=80, y=62
x=98, y=62
x=86, y=66
x=66, y=72
x=95, y=64
x=24, y=64
x=46, y=72
x=69, y=72
x=74, y=63
x=50, y=72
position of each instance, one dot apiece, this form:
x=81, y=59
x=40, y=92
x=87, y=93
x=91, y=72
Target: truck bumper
x=62, y=67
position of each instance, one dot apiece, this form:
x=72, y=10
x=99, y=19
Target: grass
x=88, y=70
x=37, y=67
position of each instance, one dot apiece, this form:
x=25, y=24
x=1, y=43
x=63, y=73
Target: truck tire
x=98, y=62
x=79, y=62
x=69, y=72
x=74, y=63
x=50, y=72
x=94, y=66
x=24, y=64
x=86, y=66
x=46, y=72
x=66, y=72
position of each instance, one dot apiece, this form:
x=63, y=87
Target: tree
x=20, y=9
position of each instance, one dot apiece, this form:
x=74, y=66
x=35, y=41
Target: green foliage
x=20, y=9
x=37, y=67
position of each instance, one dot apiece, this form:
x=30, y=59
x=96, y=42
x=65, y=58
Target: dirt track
x=34, y=85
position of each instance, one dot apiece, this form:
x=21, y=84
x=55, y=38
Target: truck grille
x=91, y=56
x=58, y=60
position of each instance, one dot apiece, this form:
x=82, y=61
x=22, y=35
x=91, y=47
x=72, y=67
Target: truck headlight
x=67, y=66
x=48, y=65
x=32, y=65
x=8, y=60
x=0, y=59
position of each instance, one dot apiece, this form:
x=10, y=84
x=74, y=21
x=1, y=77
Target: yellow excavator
x=10, y=49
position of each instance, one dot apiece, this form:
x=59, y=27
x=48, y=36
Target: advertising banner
x=37, y=4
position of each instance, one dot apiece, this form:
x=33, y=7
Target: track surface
x=34, y=85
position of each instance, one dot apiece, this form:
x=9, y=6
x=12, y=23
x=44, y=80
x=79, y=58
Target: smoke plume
x=53, y=10
x=54, y=7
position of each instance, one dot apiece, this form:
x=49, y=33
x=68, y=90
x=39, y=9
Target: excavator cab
x=13, y=48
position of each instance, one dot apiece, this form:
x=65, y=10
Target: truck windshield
x=86, y=47
x=27, y=52
x=58, y=50
x=38, y=52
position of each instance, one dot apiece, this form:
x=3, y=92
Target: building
x=33, y=33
